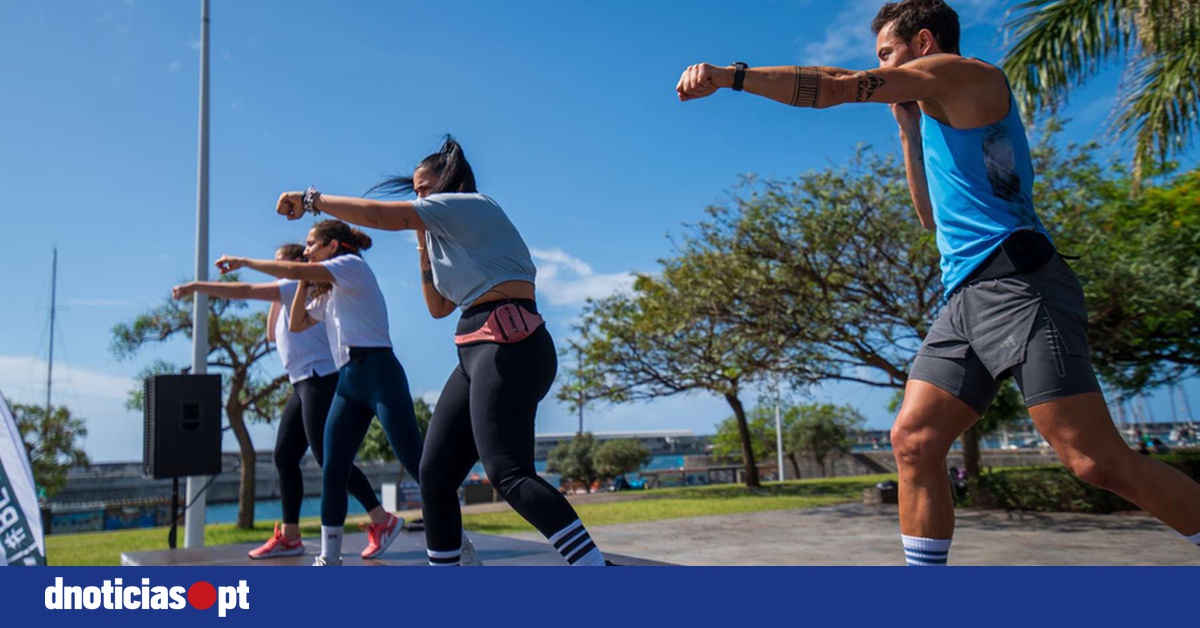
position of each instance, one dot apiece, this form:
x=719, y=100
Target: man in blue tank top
x=1013, y=306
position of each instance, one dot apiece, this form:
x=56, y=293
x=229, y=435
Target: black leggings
x=303, y=426
x=486, y=410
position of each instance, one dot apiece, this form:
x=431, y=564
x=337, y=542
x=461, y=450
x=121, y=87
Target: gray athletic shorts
x=1032, y=326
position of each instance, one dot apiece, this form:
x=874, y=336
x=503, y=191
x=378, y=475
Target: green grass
x=681, y=503
x=104, y=548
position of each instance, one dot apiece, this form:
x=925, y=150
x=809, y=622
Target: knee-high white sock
x=451, y=558
x=575, y=545
x=920, y=552
x=331, y=541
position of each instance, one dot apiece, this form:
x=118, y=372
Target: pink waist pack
x=507, y=324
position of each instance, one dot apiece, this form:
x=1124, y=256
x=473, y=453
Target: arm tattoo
x=867, y=84
x=808, y=87
x=427, y=276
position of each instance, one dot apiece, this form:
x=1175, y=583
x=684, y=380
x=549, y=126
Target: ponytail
x=449, y=166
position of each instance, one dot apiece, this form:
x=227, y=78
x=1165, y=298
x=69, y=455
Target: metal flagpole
x=193, y=535
x=779, y=433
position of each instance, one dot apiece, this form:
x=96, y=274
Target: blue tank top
x=981, y=187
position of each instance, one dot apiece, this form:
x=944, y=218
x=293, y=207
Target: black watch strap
x=739, y=75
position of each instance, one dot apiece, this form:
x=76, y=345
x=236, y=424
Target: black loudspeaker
x=183, y=426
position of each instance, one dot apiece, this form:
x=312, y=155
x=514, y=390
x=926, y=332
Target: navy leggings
x=371, y=384
x=486, y=411
x=303, y=426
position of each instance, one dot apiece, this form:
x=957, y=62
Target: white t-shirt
x=354, y=312
x=305, y=352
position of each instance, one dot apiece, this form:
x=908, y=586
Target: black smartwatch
x=739, y=75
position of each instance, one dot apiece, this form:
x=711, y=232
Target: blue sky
x=567, y=111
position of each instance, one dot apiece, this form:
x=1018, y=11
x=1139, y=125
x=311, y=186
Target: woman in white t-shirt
x=313, y=376
x=472, y=258
x=338, y=287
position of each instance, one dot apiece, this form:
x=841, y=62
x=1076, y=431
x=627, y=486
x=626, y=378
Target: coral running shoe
x=278, y=546
x=381, y=535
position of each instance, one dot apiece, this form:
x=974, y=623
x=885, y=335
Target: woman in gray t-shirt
x=472, y=258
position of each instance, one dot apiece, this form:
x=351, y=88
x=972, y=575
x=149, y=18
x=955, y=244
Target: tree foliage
x=1137, y=246
x=832, y=265
x=53, y=442
x=574, y=460
x=620, y=456
x=671, y=336
x=1060, y=44
x=824, y=431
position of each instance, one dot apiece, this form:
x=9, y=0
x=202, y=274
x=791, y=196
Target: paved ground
x=856, y=534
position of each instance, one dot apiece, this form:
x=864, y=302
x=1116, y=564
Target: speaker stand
x=174, y=512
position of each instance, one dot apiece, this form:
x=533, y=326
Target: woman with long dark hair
x=336, y=286
x=472, y=257
x=314, y=376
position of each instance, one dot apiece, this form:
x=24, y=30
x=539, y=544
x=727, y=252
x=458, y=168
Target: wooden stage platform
x=408, y=550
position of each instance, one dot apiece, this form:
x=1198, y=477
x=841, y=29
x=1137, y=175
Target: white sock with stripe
x=451, y=558
x=575, y=545
x=920, y=552
x=331, y=541
x=1195, y=538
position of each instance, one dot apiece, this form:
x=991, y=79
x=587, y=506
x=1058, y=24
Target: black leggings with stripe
x=486, y=412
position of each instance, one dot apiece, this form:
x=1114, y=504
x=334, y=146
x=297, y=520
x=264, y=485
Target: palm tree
x=1062, y=43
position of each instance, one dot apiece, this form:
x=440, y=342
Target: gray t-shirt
x=472, y=246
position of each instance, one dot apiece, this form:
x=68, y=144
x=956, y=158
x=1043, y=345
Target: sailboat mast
x=53, y=307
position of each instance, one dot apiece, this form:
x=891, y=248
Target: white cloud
x=567, y=280
x=18, y=374
x=849, y=38
x=173, y=67
x=114, y=433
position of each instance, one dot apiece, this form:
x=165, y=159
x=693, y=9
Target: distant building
x=659, y=442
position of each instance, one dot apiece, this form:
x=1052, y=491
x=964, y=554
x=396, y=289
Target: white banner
x=21, y=541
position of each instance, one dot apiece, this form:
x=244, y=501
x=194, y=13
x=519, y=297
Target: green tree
x=671, y=336
x=237, y=342
x=824, y=431
x=575, y=460
x=618, y=457
x=1060, y=44
x=1137, y=246
x=52, y=442
x=726, y=443
x=831, y=266
x=376, y=447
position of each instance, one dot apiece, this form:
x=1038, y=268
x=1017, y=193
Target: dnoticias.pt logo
x=115, y=595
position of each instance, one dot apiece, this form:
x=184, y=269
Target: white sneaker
x=469, y=557
x=322, y=561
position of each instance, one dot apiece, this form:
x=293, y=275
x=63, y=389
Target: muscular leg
x=1081, y=431
x=929, y=422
